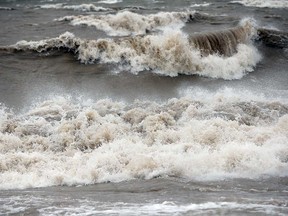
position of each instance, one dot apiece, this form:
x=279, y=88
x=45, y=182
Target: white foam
x=6, y=8
x=126, y=23
x=110, y=1
x=90, y=207
x=264, y=4
x=162, y=208
x=60, y=142
x=204, y=4
x=234, y=67
x=81, y=7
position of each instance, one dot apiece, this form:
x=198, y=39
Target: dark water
x=164, y=131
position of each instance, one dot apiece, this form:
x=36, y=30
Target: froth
x=60, y=142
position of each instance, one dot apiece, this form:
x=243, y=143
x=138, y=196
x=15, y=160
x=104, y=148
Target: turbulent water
x=122, y=107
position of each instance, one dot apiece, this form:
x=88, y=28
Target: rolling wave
x=169, y=53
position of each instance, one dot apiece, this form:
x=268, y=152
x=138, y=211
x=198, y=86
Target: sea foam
x=64, y=142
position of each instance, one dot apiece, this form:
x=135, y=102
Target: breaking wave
x=264, y=4
x=64, y=142
x=225, y=54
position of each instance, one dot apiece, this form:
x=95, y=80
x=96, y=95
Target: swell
x=273, y=38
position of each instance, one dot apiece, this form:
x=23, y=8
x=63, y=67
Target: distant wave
x=109, y=1
x=62, y=142
x=170, y=53
x=6, y=8
x=201, y=5
x=88, y=7
x=126, y=23
x=81, y=7
x=263, y=3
